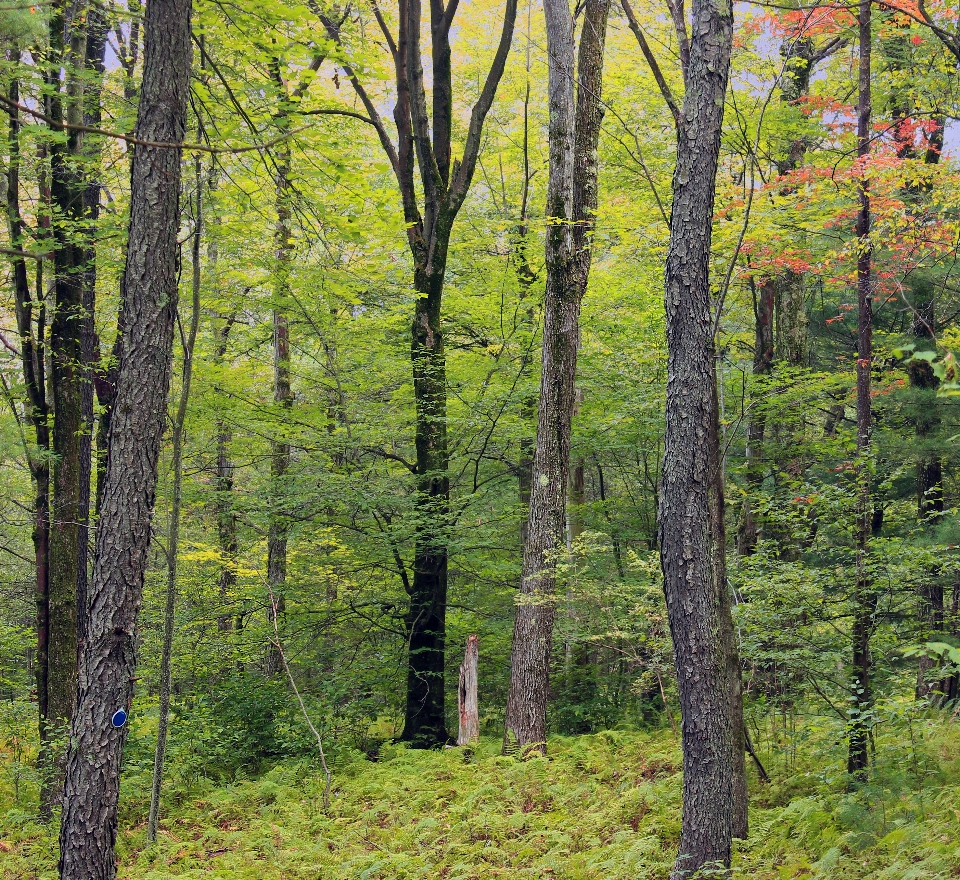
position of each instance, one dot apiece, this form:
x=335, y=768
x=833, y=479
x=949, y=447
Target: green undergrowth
x=601, y=806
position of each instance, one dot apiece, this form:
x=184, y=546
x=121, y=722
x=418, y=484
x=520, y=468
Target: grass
x=601, y=806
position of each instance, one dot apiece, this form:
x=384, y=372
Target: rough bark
x=173, y=535
x=864, y=598
x=107, y=670
x=105, y=380
x=694, y=580
x=429, y=213
x=571, y=209
x=467, y=695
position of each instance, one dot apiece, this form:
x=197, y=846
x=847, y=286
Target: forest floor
x=601, y=806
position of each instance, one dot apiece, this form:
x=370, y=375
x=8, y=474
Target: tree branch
x=652, y=62
x=463, y=170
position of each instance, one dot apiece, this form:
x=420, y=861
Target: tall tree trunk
x=30, y=311
x=226, y=516
x=864, y=598
x=930, y=496
x=571, y=209
x=107, y=671
x=89, y=345
x=691, y=506
x=105, y=381
x=425, y=722
x=283, y=396
x=64, y=104
x=173, y=537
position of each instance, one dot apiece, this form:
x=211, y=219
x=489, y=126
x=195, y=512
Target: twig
x=279, y=646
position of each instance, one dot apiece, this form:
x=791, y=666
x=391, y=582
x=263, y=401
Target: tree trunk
x=467, y=695
x=29, y=311
x=864, y=598
x=226, y=516
x=173, y=538
x=690, y=510
x=107, y=672
x=283, y=396
x=571, y=209
x=67, y=190
x=425, y=722
x=748, y=532
x=95, y=50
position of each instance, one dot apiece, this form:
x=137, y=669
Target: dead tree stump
x=467, y=695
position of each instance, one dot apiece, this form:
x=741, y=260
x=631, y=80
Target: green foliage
x=601, y=806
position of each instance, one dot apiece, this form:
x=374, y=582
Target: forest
x=479, y=439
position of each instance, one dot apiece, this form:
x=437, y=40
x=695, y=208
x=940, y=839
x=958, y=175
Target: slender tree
x=63, y=106
x=575, y=117
x=430, y=210
x=690, y=496
x=31, y=328
x=89, y=822
x=173, y=535
x=864, y=597
x=96, y=45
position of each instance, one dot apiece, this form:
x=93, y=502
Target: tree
x=89, y=822
x=173, y=535
x=691, y=493
x=429, y=220
x=864, y=597
x=571, y=209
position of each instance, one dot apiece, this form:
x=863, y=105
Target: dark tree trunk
x=764, y=300
x=107, y=672
x=864, y=598
x=89, y=345
x=30, y=311
x=691, y=505
x=571, y=205
x=67, y=191
x=444, y=184
x=226, y=515
x=930, y=498
x=283, y=396
x=105, y=380
x=615, y=540
x=425, y=723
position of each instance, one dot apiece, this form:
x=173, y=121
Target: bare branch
x=652, y=62
x=463, y=170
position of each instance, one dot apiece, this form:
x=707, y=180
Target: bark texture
x=89, y=822
x=571, y=209
x=690, y=501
